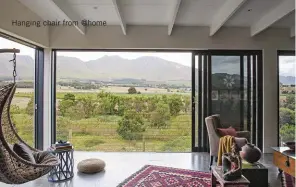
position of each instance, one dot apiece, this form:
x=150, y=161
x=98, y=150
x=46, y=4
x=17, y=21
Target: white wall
x=155, y=37
x=270, y=99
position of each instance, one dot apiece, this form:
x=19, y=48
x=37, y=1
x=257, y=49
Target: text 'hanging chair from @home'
x=13, y=168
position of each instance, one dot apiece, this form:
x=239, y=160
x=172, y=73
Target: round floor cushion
x=91, y=165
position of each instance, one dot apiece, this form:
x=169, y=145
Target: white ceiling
x=104, y=12
x=251, y=11
x=45, y=12
x=198, y=12
x=159, y=12
x=143, y=12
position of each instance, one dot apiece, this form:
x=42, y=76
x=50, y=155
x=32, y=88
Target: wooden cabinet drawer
x=284, y=163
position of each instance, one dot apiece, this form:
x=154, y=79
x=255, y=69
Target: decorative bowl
x=250, y=153
x=291, y=145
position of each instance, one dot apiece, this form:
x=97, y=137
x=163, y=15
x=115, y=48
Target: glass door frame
x=204, y=93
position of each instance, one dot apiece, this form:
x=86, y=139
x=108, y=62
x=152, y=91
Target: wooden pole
x=70, y=135
x=144, y=143
x=9, y=50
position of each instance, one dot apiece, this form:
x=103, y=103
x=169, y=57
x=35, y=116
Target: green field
x=98, y=131
x=162, y=122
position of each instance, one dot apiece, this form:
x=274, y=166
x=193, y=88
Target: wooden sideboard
x=284, y=159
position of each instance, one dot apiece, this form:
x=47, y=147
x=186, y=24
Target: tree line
x=287, y=118
x=137, y=113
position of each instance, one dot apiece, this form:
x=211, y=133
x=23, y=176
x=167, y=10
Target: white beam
x=284, y=8
x=120, y=16
x=174, y=15
x=54, y=10
x=292, y=32
x=224, y=13
x=64, y=8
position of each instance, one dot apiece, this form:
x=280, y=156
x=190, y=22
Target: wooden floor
x=119, y=166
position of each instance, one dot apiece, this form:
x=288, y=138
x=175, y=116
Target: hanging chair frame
x=9, y=98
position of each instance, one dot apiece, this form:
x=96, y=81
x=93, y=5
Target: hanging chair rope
x=13, y=168
x=14, y=74
x=14, y=51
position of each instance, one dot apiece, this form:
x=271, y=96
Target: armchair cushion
x=227, y=131
x=244, y=134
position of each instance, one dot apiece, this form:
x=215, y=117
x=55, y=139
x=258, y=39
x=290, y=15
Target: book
x=59, y=147
x=62, y=144
x=64, y=147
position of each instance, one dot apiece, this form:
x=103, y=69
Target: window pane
x=124, y=101
x=287, y=98
x=196, y=102
x=22, y=108
x=226, y=79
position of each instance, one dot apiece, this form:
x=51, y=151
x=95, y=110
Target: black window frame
x=39, y=98
x=53, y=79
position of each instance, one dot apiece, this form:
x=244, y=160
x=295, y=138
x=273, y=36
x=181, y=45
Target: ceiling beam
x=292, y=32
x=63, y=8
x=54, y=10
x=284, y=8
x=175, y=11
x=224, y=13
x=120, y=16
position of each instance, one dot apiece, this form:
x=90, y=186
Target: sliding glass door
x=228, y=83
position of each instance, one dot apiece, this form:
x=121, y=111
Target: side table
x=256, y=173
x=63, y=171
x=284, y=158
x=217, y=176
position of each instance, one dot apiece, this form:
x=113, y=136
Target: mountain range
x=109, y=68
x=105, y=68
x=115, y=67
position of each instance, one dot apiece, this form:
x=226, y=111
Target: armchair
x=212, y=123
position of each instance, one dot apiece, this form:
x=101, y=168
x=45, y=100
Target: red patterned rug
x=158, y=176
x=288, y=180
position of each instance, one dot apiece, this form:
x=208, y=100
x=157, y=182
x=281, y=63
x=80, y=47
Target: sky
x=287, y=64
x=181, y=58
x=4, y=43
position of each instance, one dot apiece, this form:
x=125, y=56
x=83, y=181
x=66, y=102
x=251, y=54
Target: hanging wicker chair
x=14, y=169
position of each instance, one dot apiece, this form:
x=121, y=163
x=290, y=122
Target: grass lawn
x=99, y=134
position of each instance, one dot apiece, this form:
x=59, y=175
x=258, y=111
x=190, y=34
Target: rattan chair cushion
x=24, y=152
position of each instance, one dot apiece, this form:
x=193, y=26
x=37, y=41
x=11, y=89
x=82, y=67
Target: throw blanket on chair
x=225, y=144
